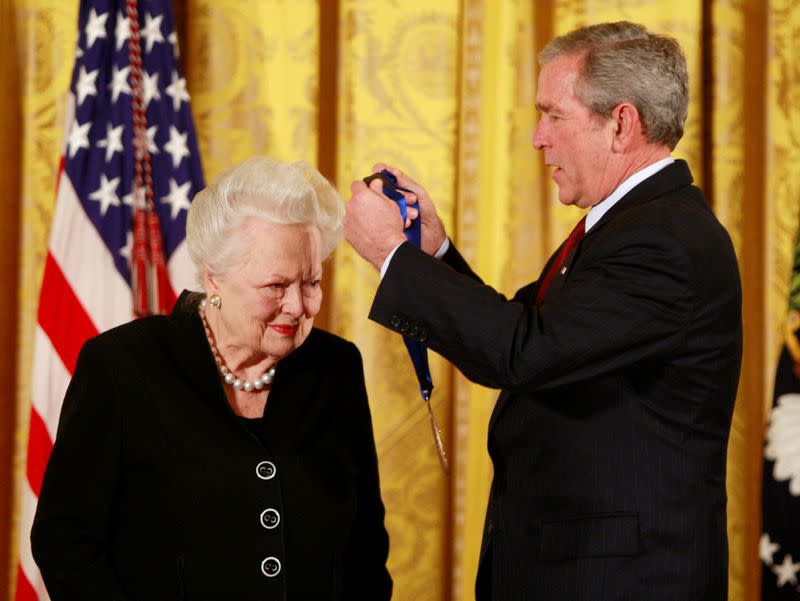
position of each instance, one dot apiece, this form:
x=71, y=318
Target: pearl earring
x=215, y=301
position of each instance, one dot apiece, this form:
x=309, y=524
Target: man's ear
x=627, y=126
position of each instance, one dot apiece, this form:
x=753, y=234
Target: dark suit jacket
x=609, y=436
x=152, y=490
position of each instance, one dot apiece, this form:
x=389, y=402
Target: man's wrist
x=442, y=249
x=388, y=260
x=438, y=255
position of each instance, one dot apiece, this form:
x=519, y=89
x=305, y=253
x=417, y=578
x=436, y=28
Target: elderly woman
x=224, y=452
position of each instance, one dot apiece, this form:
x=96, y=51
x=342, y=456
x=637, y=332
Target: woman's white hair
x=264, y=188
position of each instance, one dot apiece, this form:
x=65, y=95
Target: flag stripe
x=181, y=269
x=26, y=564
x=50, y=381
x=103, y=292
x=25, y=591
x=66, y=333
x=39, y=447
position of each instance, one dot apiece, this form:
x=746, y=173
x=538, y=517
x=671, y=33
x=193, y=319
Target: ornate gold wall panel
x=397, y=104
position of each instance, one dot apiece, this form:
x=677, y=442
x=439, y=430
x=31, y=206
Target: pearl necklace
x=227, y=375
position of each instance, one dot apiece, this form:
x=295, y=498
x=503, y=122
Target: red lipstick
x=284, y=329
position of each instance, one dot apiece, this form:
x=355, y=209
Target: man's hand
x=418, y=201
x=372, y=222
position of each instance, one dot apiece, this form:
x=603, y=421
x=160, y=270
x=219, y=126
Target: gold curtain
x=38, y=52
x=444, y=90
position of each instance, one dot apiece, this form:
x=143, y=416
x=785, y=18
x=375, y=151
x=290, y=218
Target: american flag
x=104, y=249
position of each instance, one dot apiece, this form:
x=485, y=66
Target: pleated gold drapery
x=38, y=52
x=445, y=91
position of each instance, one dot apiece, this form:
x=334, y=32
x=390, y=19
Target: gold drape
x=9, y=263
x=444, y=90
x=398, y=103
x=37, y=65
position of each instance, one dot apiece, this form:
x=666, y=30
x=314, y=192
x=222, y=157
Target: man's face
x=575, y=142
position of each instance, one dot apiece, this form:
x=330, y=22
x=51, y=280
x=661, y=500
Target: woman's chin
x=280, y=346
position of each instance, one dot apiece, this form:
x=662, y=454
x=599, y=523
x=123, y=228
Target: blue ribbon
x=416, y=350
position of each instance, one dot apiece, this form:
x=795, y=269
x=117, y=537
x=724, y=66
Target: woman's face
x=270, y=297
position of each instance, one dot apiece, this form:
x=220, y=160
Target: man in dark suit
x=618, y=366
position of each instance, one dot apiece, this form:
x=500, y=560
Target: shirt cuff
x=443, y=248
x=439, y=254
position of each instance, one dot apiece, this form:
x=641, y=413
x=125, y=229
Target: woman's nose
x=293, y=301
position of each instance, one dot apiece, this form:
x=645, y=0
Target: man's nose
x=539, y=136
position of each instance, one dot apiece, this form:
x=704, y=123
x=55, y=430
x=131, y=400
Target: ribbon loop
x=417, y=351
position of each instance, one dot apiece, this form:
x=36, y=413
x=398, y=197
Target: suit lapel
x=290, y=401
x=192, y=354
x=670, y=178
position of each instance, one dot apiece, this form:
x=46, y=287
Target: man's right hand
x=433, y=233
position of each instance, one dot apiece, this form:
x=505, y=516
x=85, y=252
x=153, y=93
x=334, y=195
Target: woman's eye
x=313, y=283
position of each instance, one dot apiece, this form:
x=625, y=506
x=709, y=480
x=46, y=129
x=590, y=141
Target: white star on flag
x=125, y=251
x=150, y=85
x=767, y=549
x=78, y=137
x=152, y=148
x=113, y=141
x=152, y=30
x=177, y=90
x=123, y=30
x=173, y=39
x=106, y=194
x=119, y=82
x=95, y=28
x=178, y=197
x=787, y=571
x=151, y=139
x=177, y=146
x=134, y=200
x=86, y=85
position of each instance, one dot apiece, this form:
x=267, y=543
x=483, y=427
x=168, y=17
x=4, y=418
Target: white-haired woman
x=225, y=451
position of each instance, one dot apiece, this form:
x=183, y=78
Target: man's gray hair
x=623, y=62
x=263, y=188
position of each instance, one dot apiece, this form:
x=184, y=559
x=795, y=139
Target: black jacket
x=155, y=490
x=609, y=436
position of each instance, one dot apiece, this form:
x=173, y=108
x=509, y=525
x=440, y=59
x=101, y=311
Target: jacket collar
x=296, y=375
x=669, y=179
